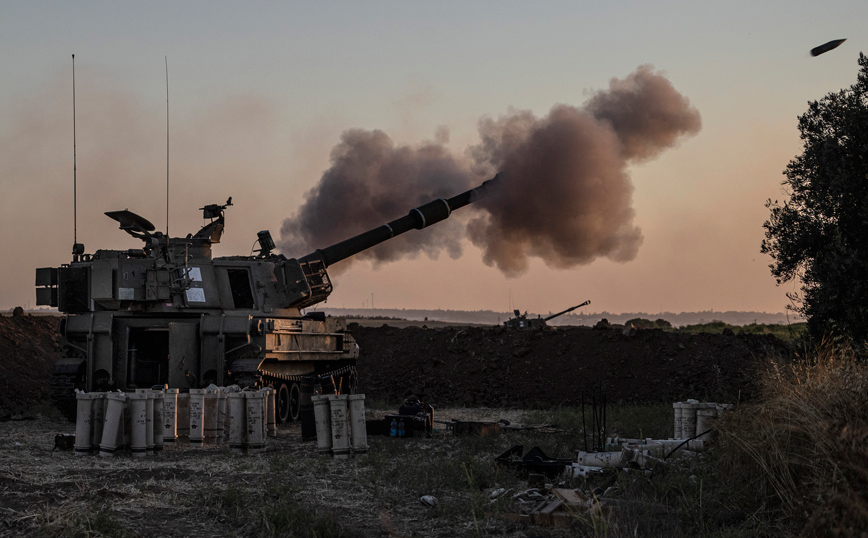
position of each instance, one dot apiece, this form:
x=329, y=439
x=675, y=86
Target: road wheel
x=351, y=382
x=283, y=404
x=294, y=402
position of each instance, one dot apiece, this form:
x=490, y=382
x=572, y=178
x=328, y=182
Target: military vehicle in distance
x=521, y=321
x=170, y=314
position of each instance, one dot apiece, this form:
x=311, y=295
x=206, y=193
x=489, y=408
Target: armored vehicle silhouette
x=522, y=322
x=171, y=314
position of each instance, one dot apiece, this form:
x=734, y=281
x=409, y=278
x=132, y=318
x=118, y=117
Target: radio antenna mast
x=167, y=145
x=74, y=172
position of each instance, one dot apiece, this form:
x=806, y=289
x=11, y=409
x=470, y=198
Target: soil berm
x=478, y=366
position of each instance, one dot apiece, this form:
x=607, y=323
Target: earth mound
x=476, y=366
x=29, y=347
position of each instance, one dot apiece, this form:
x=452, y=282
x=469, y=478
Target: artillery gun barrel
x=553, y=316
x=418, y=218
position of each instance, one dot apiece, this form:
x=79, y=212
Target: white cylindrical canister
x=157, y=425
x=114, y=415
x=222, y=434
x=83, y=422
x=138, y=424
x=237, y=420
x=227, y=418
x=125, y=429
x=599, y=459
x=263, y=394
x=667, y=446
x=271, y=413
x=688, y=419
x=170, y=403
x=697, y=445
x=197, y=416
x=358, y=426
x=182, y=417
x=322, y=417
x=212, y=400
x=149, y=418
x=340, y=430
x=98, y=420
x=678, y=410
x=706, y=420
x=255, y=439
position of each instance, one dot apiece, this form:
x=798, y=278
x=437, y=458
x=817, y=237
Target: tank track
x=288, y=388
x=338, y=372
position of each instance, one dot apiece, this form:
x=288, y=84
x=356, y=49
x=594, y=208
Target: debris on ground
x=535, y=461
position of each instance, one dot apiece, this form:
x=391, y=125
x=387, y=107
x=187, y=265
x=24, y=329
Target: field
x=290, y=490
x=789, y=460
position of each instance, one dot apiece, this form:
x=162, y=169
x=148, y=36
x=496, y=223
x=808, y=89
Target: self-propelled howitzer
x=171, y=314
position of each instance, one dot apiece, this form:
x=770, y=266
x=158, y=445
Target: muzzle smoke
x=566, y=197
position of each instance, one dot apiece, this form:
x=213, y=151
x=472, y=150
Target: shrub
x=801, y=453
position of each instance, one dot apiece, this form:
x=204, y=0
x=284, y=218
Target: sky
x=260, y=93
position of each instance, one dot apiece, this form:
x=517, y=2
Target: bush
x=801, y=453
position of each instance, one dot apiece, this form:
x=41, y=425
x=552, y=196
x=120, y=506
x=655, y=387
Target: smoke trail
x=566, y=198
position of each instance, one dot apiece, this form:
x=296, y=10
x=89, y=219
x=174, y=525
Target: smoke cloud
x=566, y=197
x=372, y=181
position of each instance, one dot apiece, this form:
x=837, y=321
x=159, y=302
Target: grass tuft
x=801, y=453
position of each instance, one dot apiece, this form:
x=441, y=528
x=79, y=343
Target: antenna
x=167, y=145
x=77, y=248
x=74, y=158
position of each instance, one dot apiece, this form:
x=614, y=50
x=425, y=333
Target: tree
x=820, y=235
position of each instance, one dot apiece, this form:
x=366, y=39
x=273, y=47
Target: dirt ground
x=204, y=491
x=208, y=490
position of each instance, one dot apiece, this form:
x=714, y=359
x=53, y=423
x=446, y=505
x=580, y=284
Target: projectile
x=826, y=47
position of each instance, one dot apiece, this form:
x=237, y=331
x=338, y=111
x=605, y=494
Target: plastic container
x=270, y=412
x=197, y=416
x=358, y=427
x=157, y=425
x=222, y=433
x=599, y=459
x=182, y=417
x=678, y=410
x=255, y=440
x=83, y=423
x=113, y=420
x=138, y=424
x=170, y=425
x=237, y=420
x=706, y=421
x=340, y=430
x=688, y=418
x=322, y=417
x=210, y=401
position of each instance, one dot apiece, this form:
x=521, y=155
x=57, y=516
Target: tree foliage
x=820, y=235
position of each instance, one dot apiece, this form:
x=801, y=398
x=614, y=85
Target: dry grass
x=801, y=453
x=290, y=490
